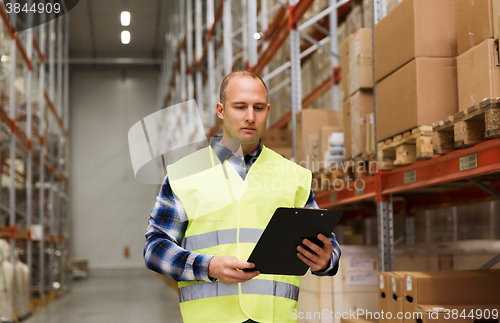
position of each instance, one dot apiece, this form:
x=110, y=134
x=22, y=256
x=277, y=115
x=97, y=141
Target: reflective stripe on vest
x=214, y=238
x=254, y=286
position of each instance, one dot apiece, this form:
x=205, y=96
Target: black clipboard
x=276, y=250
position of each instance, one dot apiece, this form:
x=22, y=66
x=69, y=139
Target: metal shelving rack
x=228, y=44
x=224, y=42
x=422, y=184
x=34, y=207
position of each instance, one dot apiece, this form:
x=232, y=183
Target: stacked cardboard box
x=20, y=172
x=476, y=22
x=360, y=60
x=415, y=65
x=358, y=320
x=355, y=284
x=419, y=292
x=478, y=60
x=353, y=287
x=357, y=82
x=309, y=122
x=451, y=288
x=323, y=144
x=361, y=105
x=390, y=294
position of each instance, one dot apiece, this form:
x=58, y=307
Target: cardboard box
x=370, y=134
x=323, y=134
x=420, y=93
x=361, y=60
x=456, y=313
x=478, y=72
x=358, y=320
x=396, y=294
x=361, y=104
x=344, y=68
x=476, y=22
x=346, y=116
x=277, y=137
x=414, y=28
x=383, y=295
x=309, y=122
x=451, y=287
x=391, y=294
x=355, y=284
x=307, y=152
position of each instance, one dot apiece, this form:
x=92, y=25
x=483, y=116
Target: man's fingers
x=239, y=276
x=244, y=264
x=309, y=255
x=314, y=247
x=306, y=260
x=324, y=239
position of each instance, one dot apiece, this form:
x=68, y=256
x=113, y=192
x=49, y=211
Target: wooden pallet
x=406, y=148
x=328, y=179
x=40, y=302
x=364, y=165
x=360, y=166
x=467, y=128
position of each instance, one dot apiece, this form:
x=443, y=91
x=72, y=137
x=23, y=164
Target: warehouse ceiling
x=95, y=29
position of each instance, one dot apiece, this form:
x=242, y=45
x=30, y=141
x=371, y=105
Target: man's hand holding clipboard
x=319, y=258
x=294, y=240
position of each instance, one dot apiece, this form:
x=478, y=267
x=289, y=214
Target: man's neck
x=248, y=149
x=235, y=146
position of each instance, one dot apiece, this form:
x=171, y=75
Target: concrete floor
x=111, y=296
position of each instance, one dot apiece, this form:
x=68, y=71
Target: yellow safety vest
x=226, y=216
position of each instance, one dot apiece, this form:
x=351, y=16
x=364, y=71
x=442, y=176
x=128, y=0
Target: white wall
x=110, y=208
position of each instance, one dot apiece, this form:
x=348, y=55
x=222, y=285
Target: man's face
x=245, y=112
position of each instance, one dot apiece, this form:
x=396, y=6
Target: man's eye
x=240, y=107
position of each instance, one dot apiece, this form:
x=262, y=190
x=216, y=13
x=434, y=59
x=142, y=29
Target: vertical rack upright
x=34, y=127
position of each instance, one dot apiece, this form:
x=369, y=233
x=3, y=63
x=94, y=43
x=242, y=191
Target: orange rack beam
x=438, y=170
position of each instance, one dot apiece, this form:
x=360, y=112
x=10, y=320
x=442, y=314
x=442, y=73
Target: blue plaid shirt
x=168, y=222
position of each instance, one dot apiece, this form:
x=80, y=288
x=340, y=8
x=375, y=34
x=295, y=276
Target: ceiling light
x=125, y=18
x=125, y=37
x=4, y=58
x=257, y=35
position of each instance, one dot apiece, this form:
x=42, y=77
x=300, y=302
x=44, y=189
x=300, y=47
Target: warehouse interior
x=392, y=105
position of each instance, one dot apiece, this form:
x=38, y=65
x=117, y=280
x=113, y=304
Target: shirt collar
x=225, y=153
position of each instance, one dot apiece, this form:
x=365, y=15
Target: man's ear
x=220, y=110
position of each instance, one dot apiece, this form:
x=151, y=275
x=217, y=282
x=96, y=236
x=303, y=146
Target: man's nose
x=250, y=115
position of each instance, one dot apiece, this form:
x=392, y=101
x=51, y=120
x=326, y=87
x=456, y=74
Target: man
x=214, y=204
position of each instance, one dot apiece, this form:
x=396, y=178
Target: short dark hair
x=242, y=74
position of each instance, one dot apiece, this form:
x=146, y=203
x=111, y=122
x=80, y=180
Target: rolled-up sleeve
x=163, y=252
